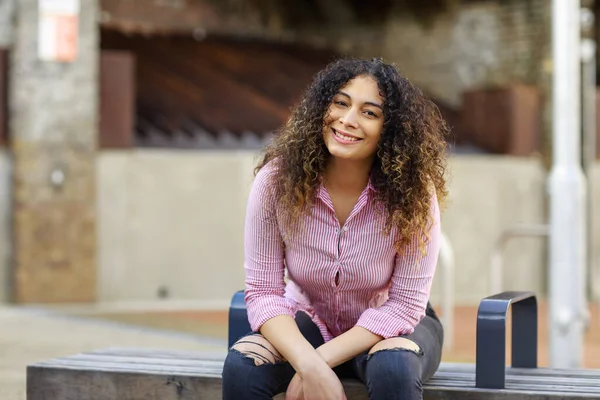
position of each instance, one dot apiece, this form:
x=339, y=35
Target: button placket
x=336, y=281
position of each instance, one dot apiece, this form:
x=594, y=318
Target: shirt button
x=345, y=228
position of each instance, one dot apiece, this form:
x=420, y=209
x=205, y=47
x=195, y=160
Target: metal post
x=497, y=259
x=588, y=85
x=446, y=259
x=567, y=193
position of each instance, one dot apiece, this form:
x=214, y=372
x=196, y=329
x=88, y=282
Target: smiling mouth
x=345, y=137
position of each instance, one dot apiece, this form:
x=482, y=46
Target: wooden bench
x=136, y=374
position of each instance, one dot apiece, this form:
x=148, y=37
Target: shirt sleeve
x=410, y=287
x=264, y=255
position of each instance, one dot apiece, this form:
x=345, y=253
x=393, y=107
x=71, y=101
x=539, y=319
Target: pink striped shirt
x=340, y=276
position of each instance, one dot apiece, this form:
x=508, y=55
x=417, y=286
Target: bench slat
x=159, y=353
x=132, y=362
x=199, y=367
x=573, y=381
x=465, y=367
x=449, y=367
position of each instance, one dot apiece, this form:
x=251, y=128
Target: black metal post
x=490, y=368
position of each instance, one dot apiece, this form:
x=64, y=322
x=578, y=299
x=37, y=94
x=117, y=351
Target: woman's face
x=354, y=121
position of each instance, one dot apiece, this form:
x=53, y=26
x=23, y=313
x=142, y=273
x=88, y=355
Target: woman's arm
x=264, y=255
x=283, y=333
x=269, y=312
x=348, y=345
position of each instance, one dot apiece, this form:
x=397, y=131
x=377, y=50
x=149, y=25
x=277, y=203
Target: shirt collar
x=370, y=185
x=322, y=193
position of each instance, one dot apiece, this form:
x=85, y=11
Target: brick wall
x=475, y=45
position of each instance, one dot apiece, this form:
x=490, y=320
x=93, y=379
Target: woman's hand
x=320, y=383
x=295, y=390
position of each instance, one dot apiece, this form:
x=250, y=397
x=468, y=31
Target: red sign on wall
x=58, y=30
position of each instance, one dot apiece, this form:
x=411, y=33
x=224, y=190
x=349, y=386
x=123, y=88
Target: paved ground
x=28, y=335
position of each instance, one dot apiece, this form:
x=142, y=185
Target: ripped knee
x=397, y=343
x=257, y=348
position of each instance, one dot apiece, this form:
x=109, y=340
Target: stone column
x=6, y=36
x=53, y=130
x=6, y=26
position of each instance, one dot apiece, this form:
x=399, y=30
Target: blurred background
x=129, y=130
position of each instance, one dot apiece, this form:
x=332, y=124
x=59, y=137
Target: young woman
x=346, y=200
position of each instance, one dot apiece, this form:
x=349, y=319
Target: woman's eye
x=371, y=113
x=341, y=103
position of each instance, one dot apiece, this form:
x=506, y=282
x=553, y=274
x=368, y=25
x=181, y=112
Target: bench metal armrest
x=238, y=318
x=490, y=368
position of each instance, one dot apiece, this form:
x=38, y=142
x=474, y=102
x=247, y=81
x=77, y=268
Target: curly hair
x=410, y=160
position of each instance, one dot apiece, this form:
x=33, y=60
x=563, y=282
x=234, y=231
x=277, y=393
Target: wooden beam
x=222, y=84
x=117, y=99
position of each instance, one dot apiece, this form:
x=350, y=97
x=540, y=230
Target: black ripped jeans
x=392, y=374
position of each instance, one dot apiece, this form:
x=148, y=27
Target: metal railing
x=496, y=264
x=446, y=263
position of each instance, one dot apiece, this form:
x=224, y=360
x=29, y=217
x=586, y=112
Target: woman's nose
x=349, y=118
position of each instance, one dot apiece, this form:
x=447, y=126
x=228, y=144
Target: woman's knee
x=257, y=348
x=395, y=365
x=246, y=354
x=398, y=343
x=254, y=369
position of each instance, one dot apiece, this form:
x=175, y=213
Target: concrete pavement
x=28, y=335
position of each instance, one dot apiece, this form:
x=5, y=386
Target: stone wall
x=53, y=130
x=170, y=225
x=476, y=45
x=488, y=195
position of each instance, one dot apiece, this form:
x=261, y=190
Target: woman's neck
x=346, y=176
